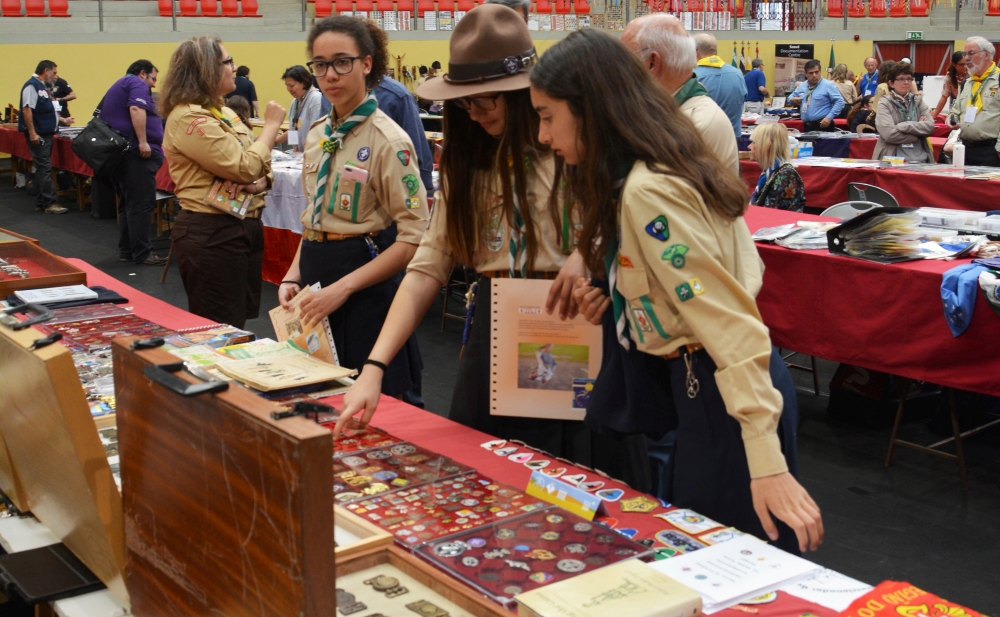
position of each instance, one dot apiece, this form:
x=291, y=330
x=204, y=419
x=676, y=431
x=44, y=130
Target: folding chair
x=859, y=191
x=849, y=209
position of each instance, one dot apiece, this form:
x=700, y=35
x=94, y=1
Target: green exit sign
x=915, y=36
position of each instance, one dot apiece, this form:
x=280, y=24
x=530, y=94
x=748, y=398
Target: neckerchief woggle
x=333, y=140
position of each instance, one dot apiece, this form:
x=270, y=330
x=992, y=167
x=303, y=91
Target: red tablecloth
x=826, y=186
x=279, y=251
x=12, y=142
x=800, y=125
x=882, y=317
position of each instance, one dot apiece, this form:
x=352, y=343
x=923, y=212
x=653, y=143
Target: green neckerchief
x=690, y=89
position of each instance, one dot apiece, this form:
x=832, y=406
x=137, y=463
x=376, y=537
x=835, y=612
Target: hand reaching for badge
x=362, y=397
x=592, y=301
x=783, y=496
x=323, y=302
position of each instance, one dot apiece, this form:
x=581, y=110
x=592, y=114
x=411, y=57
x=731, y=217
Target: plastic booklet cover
x=430, y=512
x=385, y=470
x=508, y=558
x=359, y=439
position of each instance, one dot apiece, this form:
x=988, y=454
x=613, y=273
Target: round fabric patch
x=364, y=153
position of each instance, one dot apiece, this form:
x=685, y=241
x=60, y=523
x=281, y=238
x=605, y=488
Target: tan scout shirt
x=689, y=276
x=987, y=124
x=246, y=136
x=393, y=191
x=712, y=123
x=200, y=147
x=434, y=257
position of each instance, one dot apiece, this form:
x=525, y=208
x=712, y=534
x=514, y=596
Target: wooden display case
x=355, y=535
x=423, y=581
x=44, y=268
x=227, y=511
x=8, y=236
x=51, y=459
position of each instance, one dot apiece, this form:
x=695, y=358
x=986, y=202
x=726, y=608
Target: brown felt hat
x=491, y=51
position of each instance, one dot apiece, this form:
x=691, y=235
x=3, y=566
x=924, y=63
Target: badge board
x=540, y=366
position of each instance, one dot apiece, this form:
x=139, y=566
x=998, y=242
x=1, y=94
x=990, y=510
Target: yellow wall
x=92, y=68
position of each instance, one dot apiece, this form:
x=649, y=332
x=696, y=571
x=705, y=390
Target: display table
x=882, y=317
x=826, y=186
x=282, y=218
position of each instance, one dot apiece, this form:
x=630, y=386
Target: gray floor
x=909, y=522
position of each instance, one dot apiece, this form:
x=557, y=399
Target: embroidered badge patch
x=642, y=320
x=675, y=255
x=684, y=292
x=364, y=153
x=412, y=184
x=658, y=228
x=696, y=286
x=346, y=199
x=412, y=203
x=404, y=157
x=624, y=261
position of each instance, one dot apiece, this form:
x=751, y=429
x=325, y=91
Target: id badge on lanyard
x=970, y=113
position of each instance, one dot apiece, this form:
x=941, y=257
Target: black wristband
x=299, y=283
x=377, y=363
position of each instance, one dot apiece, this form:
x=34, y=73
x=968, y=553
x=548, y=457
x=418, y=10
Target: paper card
x=293, y=137
x=537, y=358
x=830, y=589
x=566, y=496
x=689, y=521
x=720, y=536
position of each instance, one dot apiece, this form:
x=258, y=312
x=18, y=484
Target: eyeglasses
x=229, y=61
x=973, y=53
x=342, y=65
x=486, y=103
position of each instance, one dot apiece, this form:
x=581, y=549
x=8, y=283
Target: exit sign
x=915, y=36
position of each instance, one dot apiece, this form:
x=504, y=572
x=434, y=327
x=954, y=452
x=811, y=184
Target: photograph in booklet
x=426, y=513
x=389, y=469
x=508, y=558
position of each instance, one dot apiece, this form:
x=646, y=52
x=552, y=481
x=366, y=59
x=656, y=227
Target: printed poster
x=536, y=358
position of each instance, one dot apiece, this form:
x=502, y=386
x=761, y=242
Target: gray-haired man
x=977, y=108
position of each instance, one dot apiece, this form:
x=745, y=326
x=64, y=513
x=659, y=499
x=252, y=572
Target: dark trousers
x=220, y=259
x=41, y=155
x=135, y=184
x=814, y=126
x=985, y=155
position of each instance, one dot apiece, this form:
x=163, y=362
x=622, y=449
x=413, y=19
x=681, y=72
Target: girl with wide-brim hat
x=496, y=213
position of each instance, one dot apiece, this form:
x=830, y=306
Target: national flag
x=736, y=63
x=833, y=60
x=758, y=48
x=743, y=59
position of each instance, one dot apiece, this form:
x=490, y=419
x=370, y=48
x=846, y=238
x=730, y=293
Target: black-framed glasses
x=229, y=61
x=486, y=103
x=342, y=65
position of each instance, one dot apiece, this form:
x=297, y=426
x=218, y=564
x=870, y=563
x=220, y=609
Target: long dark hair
x=470, y=162
x=625, y=116
x=370, y=39
x=956, y=57
x=884, y=69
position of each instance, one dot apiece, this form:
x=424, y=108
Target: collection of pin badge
x=348, y=603
x=359, y=439
x=381, y=470
x=11, y=270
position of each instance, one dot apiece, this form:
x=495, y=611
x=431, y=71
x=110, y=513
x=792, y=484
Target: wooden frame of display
x=439, y=582
x=370, y=534
x=51, y=459
x=15, y=235
x=60, y=272
x=227, y=510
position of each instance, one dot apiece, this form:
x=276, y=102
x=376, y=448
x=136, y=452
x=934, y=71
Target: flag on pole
x=833, y=60
x=736, y=64
x=758, y=48
x=743, y=59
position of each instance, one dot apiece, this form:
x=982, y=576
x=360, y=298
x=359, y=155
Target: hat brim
x=437, y=89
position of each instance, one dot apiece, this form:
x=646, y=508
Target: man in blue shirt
x=128, y=108
x=724, y=82
x=39, y=122
x=869, y=81
x=818, y=99
x=756, y=87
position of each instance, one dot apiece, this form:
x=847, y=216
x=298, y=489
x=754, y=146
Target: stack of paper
x=51, y=295
x=729, y=573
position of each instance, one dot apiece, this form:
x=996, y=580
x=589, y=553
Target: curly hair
x=194, y=75
x=370, y=39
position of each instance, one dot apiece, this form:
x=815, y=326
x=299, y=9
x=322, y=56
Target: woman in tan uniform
x=498, y=213
x=367, y=207
x=219, y=255
x=668, y=231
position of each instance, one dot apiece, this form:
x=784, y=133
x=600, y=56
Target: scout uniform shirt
x=987, y=122
x=199, y=147
x=246, y=136
x=434, y=257
x=689, y=276
x=392, y=192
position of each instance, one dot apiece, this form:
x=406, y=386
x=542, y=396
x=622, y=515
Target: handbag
x=100, y=146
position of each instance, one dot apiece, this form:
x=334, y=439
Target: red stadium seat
x=364, y=5
x=34, y=8
x=58, y=8
x=209, y=8
x=405, y=5
x=582, y=7
x=465, y=5
x=164, y=7
x=249, y=8
x=446, y=5
x=230, y=8
x=10, y=8
x=189, y=8
x=385, y=5
x=324, y=8
x=344, y=6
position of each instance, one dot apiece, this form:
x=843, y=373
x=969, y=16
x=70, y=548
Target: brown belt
x=673, y=355
x=256, y=214
x=505, y=274
x=312, y=235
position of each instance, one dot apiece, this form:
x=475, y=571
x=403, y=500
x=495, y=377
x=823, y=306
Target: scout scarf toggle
x=333, y=140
